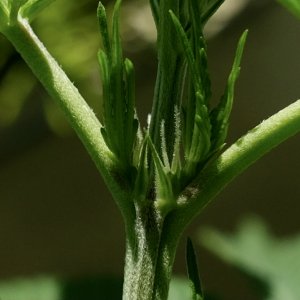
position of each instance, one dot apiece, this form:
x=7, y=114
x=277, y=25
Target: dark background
x=56, y=215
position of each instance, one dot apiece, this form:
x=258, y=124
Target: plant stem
x=75, y=108
x=236, y=159
x=214, y=178
x=148, y=263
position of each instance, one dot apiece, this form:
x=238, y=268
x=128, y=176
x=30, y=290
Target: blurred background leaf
x=41, y=288
x=274, y=262
x=292, y=5
x=89, y=288
x=51, y=288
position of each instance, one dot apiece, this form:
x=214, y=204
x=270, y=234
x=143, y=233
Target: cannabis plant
x=164, y=174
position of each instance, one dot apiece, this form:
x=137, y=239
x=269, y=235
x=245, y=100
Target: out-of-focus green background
x=56, y=215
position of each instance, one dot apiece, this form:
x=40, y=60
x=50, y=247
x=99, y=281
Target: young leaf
x=200, y=140
x=108, y=109
x=192, y=270
x=131, y=121
x=101, y=13
x=183, y=39
x=195, y=8
x=129, y=87
x=120, y=122
x=15, y=6
x=220, y=115
x=197, y=123
x=205, y=77
x=165, y=198
x=189, y=118
x=33, y=7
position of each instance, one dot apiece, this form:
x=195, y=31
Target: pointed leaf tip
x=220, y=115
x=102, y=19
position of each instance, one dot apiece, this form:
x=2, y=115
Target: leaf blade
x=192, y=270
x=220, y=115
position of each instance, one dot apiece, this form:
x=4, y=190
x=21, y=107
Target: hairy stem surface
x=75, y=108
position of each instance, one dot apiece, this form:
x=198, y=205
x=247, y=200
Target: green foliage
x=10, y=9
x=163, y=176
x=120, y=124
x=180, y=120
x=292, y=5
x=52, y=288
x=254, y=250
x=91, y=288
x=4, y=12
x=193, y=273
x=198, y=130
x=33, y=7
x=60, y=31
x=180, y=289
x=220, y=115
x=40, y=288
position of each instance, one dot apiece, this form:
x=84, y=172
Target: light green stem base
x=149, y=259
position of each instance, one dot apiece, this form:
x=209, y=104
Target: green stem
x=214, y=179
x=75, y=108
x=149, y=261
x=236, y=159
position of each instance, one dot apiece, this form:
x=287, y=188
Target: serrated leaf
x=192, y=269
x=220, y=115
x=197, y=122
x=196, y=8
x=200, y=143
x=252, y=248
x=111, y=67
x=120, y=121
x=184, y=41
